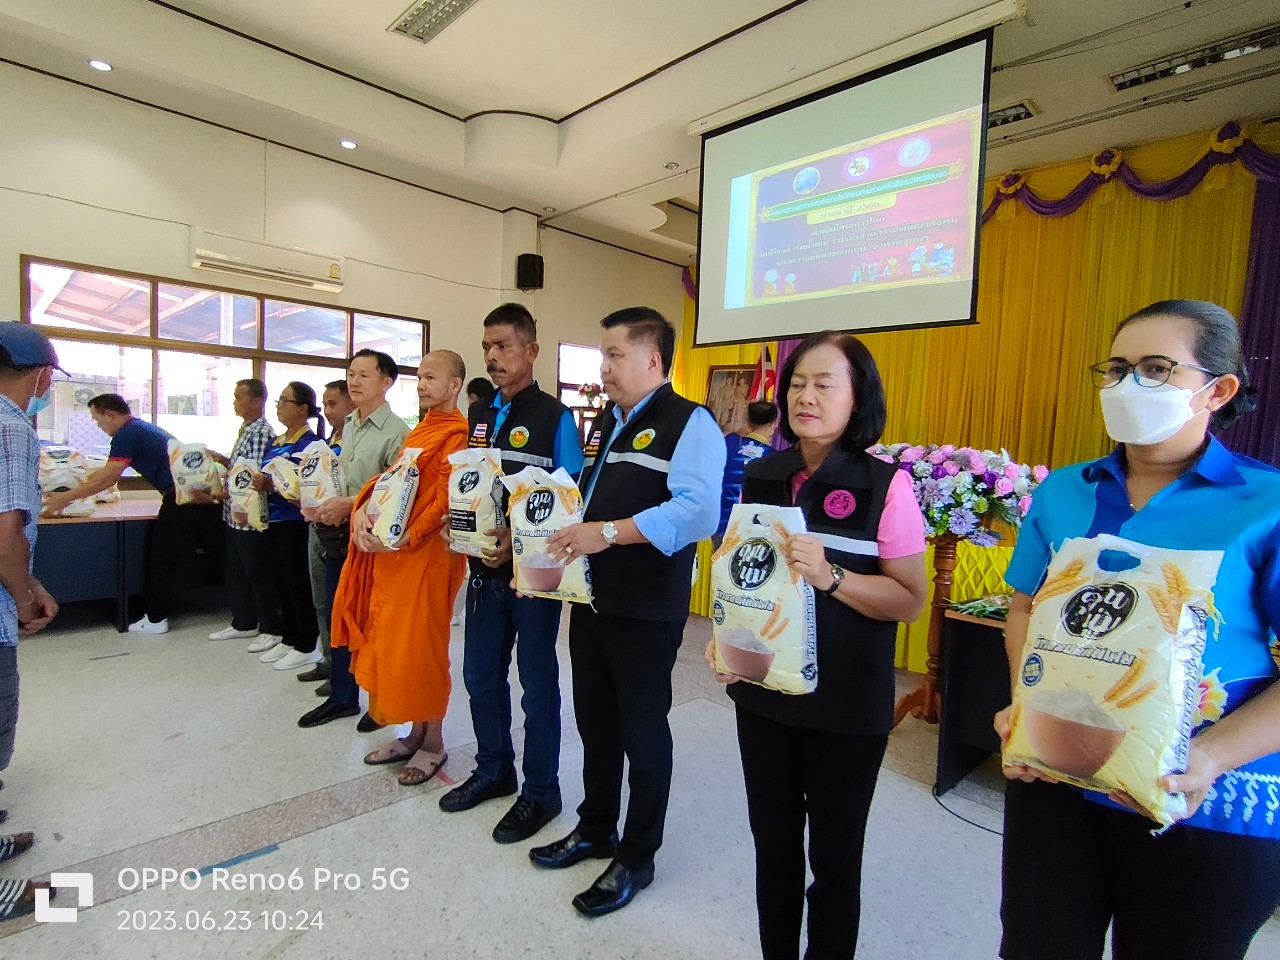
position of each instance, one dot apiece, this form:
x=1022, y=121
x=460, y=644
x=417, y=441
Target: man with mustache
x=530, y=427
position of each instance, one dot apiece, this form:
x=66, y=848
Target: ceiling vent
x=1205, y=55
x=1006, y=115
x=426, y=18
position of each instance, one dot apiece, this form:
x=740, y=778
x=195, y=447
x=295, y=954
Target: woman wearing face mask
x=1075, y=861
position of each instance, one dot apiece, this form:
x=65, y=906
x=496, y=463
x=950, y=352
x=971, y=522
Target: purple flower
x=990, y=478
x=939, y=472
x=984, y=538
x=963, y=523
x=929, y=494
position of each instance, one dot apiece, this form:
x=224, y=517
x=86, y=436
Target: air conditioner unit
x=261, y=260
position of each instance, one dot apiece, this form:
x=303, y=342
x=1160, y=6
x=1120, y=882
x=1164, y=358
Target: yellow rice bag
x=194, y=471
x=248, y=506
x=392, y=498
x=1111, y=668
x=762, y=617
x=284, y=476
x=319, y=477
x=541, y=504
x=475, y=500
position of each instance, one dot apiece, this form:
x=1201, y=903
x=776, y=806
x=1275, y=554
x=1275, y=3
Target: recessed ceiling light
x=671, y=165
x=548, y=209
x=348, y=144
x=100, y=65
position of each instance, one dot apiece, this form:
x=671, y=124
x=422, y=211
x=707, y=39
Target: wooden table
x=98, y=557
x=976, y=684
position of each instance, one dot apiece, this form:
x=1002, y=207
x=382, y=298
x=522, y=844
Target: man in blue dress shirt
x=651, y=487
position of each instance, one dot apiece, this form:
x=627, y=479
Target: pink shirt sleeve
x=901, y=532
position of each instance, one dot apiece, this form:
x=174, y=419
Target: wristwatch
x=837, y=572
x=609, y=530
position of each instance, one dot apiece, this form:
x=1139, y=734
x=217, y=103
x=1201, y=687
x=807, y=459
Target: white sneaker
x=295, y=659
x=278, y=652
x=231, y=633
x=265, y=641
x=147, y=625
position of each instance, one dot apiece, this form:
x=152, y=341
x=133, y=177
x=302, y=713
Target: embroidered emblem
x=481, y=430
x=643, y=439
x=839, y=504
x=519, y=436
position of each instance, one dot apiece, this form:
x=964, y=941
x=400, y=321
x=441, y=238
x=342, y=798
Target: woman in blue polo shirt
x=287, y=534
x=1075, y=861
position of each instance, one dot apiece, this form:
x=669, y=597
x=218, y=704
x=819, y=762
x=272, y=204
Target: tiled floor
x=175, y=752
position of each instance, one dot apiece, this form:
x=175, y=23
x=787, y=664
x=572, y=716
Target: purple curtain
x=1258, y=434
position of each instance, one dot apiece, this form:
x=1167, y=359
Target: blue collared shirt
x=697, y=467
x=568, y=449
x=1223, y=502
x=20, y=492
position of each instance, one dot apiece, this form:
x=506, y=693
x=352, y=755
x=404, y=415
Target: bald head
x=440, y=377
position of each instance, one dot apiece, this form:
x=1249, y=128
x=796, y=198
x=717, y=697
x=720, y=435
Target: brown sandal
x=397, y=751
x=423, y=762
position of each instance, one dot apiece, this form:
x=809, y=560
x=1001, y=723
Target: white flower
x=963, y=480
x=922, y=469
x=1021, y=487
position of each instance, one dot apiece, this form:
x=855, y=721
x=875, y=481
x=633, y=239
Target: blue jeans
x=341, y=682
x=497, y=622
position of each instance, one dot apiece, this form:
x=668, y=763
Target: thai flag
x=766, y=378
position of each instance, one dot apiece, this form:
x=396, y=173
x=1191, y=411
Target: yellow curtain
x=1050, y=294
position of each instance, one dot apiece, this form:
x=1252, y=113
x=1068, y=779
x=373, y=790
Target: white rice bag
x=248, y=506
x=762, y=617
x=392, y=498
x=319, y=476
x=284, y=475
x=475, y=500
x=542, y=503
x=194, y=471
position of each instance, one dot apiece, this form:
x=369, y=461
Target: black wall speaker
x=529, y=271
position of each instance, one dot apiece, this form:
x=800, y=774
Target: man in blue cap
x=27, y=362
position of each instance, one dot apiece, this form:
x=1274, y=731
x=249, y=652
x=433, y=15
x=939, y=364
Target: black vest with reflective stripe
x=637, y=580
x=527, y=437
x=842, y=504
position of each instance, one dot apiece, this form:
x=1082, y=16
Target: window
x=579, y=365
x=175, y=350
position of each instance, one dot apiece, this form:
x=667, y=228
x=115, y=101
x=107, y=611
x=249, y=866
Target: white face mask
x=1146, y=415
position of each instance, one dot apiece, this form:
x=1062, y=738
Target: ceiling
x=576, y=110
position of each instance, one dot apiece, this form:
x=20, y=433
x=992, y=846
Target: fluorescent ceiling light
x=100, y=65
x=1005, y=115
x=426, y=18
x=1228, y=48
x=348, y=144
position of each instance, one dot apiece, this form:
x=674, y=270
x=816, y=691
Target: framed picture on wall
x=728, y=393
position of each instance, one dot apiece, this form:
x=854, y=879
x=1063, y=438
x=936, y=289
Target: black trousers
x=1072, y=867
x=252, y=582
x=287, y=541
x=175, y=531
x=796, y=776
x=622, y=695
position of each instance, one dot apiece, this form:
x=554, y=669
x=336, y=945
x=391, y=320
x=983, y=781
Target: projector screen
x=856, y=208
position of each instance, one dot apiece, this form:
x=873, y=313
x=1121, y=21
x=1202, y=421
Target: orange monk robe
x=393, y=609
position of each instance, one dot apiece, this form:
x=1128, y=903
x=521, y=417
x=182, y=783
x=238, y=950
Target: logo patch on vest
x=643, y=439
x=519, y=436
x=479, y=435
x=593, y=445
x=839, y=504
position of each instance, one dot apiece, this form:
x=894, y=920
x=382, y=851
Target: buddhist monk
x=393, y=607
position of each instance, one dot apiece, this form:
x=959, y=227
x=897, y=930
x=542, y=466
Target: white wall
x=91, y=178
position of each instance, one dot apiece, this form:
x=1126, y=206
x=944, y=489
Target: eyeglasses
x=280, y=400
x=1151, y=371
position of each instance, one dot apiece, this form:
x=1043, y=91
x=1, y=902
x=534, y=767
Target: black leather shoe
x=524, y=819
x=367, y=724
x=325, y=713
x=613, y=890
x=473, y=791
x=573, y=849
x=324, y=690
x=319, y=672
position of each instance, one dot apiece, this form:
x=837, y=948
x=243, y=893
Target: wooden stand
x=925, y=701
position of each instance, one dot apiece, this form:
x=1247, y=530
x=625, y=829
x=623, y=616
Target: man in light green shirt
x=371, y=437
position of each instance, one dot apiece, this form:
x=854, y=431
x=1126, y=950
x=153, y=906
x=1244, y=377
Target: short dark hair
x=1217, y=347
x=866, y=423
x=339, y=385
x=761, y=413
x=386, y=363
x=257, y=389
x=646, y=323
x=517, y=316
x=110, y=403
x=480, y=388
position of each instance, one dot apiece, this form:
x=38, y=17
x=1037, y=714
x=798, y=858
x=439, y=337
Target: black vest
x=842, y=503
x=638, y=580
x=527, y=437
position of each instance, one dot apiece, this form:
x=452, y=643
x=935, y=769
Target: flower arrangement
x=590, y=392
x=959, y=488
